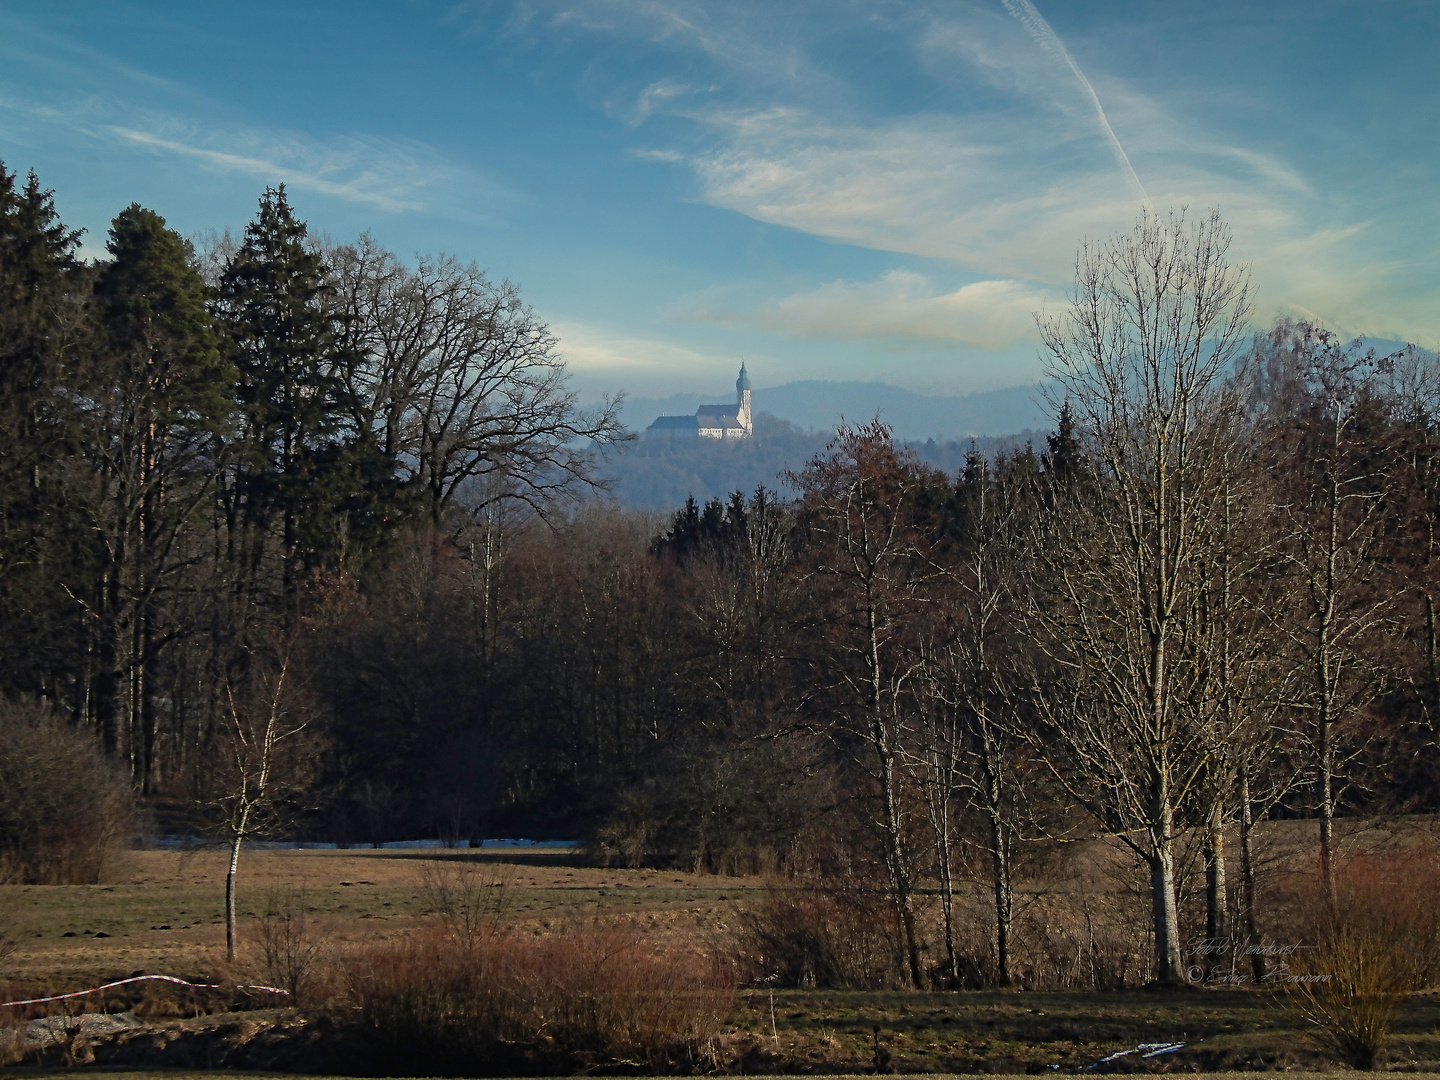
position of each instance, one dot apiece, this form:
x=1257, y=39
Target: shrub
x=1377, y=942
x=1082, y=939
x=469, y=898
x=823, y=937
x=63, y=810
x=289, y=952
x=507, y=1002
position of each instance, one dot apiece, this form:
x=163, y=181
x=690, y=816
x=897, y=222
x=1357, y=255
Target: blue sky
x=829, y=190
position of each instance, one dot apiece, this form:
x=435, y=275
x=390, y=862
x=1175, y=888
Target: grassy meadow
x=161, y=912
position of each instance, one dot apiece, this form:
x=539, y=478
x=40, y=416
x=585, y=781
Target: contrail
x=1047, y=39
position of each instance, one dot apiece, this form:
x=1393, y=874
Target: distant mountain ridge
x=793, y=422
x=820, y=405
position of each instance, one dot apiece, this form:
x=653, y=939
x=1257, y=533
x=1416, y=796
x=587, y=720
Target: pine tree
x=159, y=403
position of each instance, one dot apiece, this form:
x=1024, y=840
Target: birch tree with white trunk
x=1141, y=356
x=266, y=760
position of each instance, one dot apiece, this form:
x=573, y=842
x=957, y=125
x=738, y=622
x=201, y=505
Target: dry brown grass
x=165, y=913
x=1077, y=928
x=439, y=1003
x=1375, y=943
x=809, y=936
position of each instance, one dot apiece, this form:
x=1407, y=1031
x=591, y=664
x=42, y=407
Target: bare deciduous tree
x=459, y=383
x=1155, y=319
x=1239, y=648
x=968, y=691
x=860, y=506
x=1411, y=392
x=265, y=760
x=1338, y=523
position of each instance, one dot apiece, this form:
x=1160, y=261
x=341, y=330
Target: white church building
x=710, y=421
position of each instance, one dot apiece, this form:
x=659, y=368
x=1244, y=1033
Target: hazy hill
x=661, y=474
x=820, y=405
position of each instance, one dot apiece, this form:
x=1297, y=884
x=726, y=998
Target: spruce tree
x=290, y=461
x=42, y=297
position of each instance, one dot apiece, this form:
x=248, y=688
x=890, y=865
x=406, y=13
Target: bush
x=823, y=937
x=289, y=951
x=1085, y=938
x=470, y=899
x=508, y=1002
x=1375, y=944
x=63, y=810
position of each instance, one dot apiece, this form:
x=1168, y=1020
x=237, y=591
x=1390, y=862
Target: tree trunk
x=897, y=861
x=896, y=857
x=1004, y=896
x=105, y=696
x=107, y=693
x=947, y=908
x=990, y=761
x=1325, y=781
x=1162, y=895
x=146, y=666
x=148, y=574
x=940, y=801
x=1325, y=677
x=1247, y=879
x=1217, y=914
x=1431, y=695
x=230, y=895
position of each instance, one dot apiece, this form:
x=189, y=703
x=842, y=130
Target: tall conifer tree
x=289, y=454
x=159, y=403
x=42, y=288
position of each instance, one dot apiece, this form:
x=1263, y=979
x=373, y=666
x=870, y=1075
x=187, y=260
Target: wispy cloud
x=902, y=305
x=72, y=60
x=655, y=97
x=387, y=176
x=588, y=347
x=960, y=191
x=751, y=45
x=158, y=117
x=602, y=357
x=1011, y=161
x=936, y=186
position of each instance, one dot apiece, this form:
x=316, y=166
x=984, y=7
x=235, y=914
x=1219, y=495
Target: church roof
x=675, y=423
x=719, y=412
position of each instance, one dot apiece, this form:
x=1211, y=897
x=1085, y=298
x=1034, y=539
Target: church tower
x=742, y=402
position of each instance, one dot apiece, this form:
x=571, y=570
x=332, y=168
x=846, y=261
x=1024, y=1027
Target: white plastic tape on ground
x=142, y=978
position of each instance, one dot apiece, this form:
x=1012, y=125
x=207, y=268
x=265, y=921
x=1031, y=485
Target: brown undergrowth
x=1376, y=942
x=507, y=1002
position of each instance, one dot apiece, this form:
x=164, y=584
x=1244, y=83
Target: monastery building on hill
x=710, y=421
